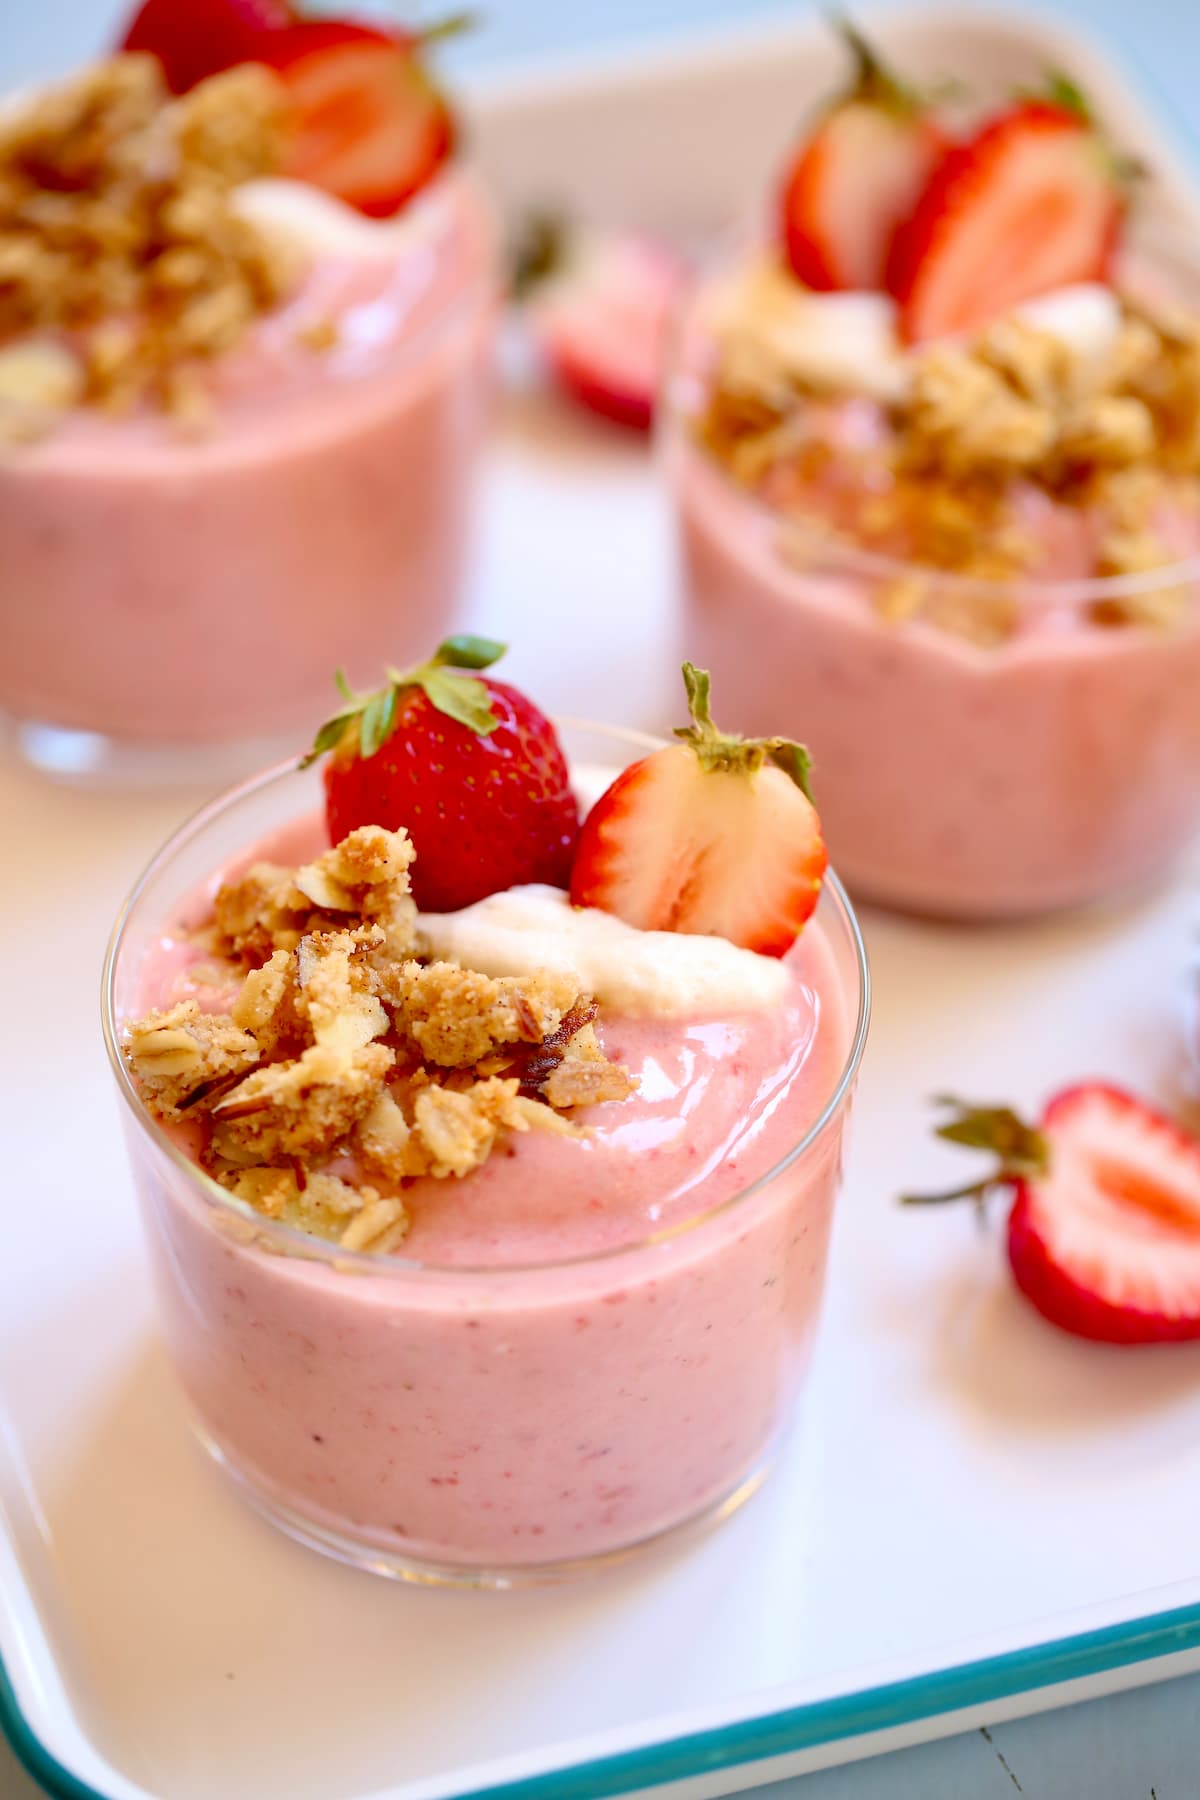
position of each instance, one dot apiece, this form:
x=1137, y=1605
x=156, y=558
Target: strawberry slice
x=716, y=835
x=367, y=124
x=857, y=176
x=193, y=39
x=1104, y=1231
x=599, y=305
x=1033, y=202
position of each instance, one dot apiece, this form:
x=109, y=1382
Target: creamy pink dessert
x=542, y=1354
x=985, y=745
x=933, y=451
x=303, y=488
x=954, y=778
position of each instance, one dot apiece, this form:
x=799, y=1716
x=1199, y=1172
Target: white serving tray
x=982, y=1517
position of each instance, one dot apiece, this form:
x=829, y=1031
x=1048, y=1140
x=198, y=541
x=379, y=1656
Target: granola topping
x=350, y=1063
x=1085, y=405
x=124, y=263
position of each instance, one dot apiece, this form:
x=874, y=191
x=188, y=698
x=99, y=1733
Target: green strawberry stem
x=874, y=82
x=538, y=249
x=726, y=752
x=1021, y=1151
x=373, y=716
x=453, y=25
x=1061, y=91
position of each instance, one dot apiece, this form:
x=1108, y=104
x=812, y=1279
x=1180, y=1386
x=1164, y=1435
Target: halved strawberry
x=857, y=176
x=600, y=306
x=1104, y=1231
x=193, y=39
x=716, y=835
x=367, y=123
x=1033, y=202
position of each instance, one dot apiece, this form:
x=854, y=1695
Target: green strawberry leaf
x=1062, y=91
x=328, y=737
x=467, y=652
x=1021, y=1151
x=460, y=697
x=794, y=760
x=378, y=716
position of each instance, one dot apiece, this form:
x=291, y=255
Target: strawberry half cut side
x=599, y=306
x=368, y=125
x=1104, y=1230
x=714, y=835
x=1032, y=203
x=858, y=173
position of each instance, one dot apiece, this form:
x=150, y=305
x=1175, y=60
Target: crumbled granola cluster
x=348, y=1066
x=123, y=264
x=973, y=427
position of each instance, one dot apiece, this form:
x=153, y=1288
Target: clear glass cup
x=481, y=1426
x=177, y=604
x=954, y=778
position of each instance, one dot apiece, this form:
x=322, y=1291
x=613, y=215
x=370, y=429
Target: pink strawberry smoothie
x=581, y=1344
x=174, y=589
x=953, y=779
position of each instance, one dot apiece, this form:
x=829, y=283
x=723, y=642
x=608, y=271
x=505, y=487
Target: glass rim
x=306, y=1245
x=838, y=554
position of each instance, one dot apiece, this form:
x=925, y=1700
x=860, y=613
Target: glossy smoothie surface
x=952, y=778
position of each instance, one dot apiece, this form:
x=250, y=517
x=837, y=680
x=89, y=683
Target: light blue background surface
x=1138, y=1746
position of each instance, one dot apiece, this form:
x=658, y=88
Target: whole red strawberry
x=467, y=765
x=193, y=39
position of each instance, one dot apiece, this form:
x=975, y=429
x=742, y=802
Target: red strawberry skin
x=602, y=324
x=596, y=390
x=194, y=39
x=1107, y=1246
x=484, y=812
x=1025, y=206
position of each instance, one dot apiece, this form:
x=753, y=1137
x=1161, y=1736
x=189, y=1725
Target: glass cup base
x=90, y=759
x=416, y=1572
